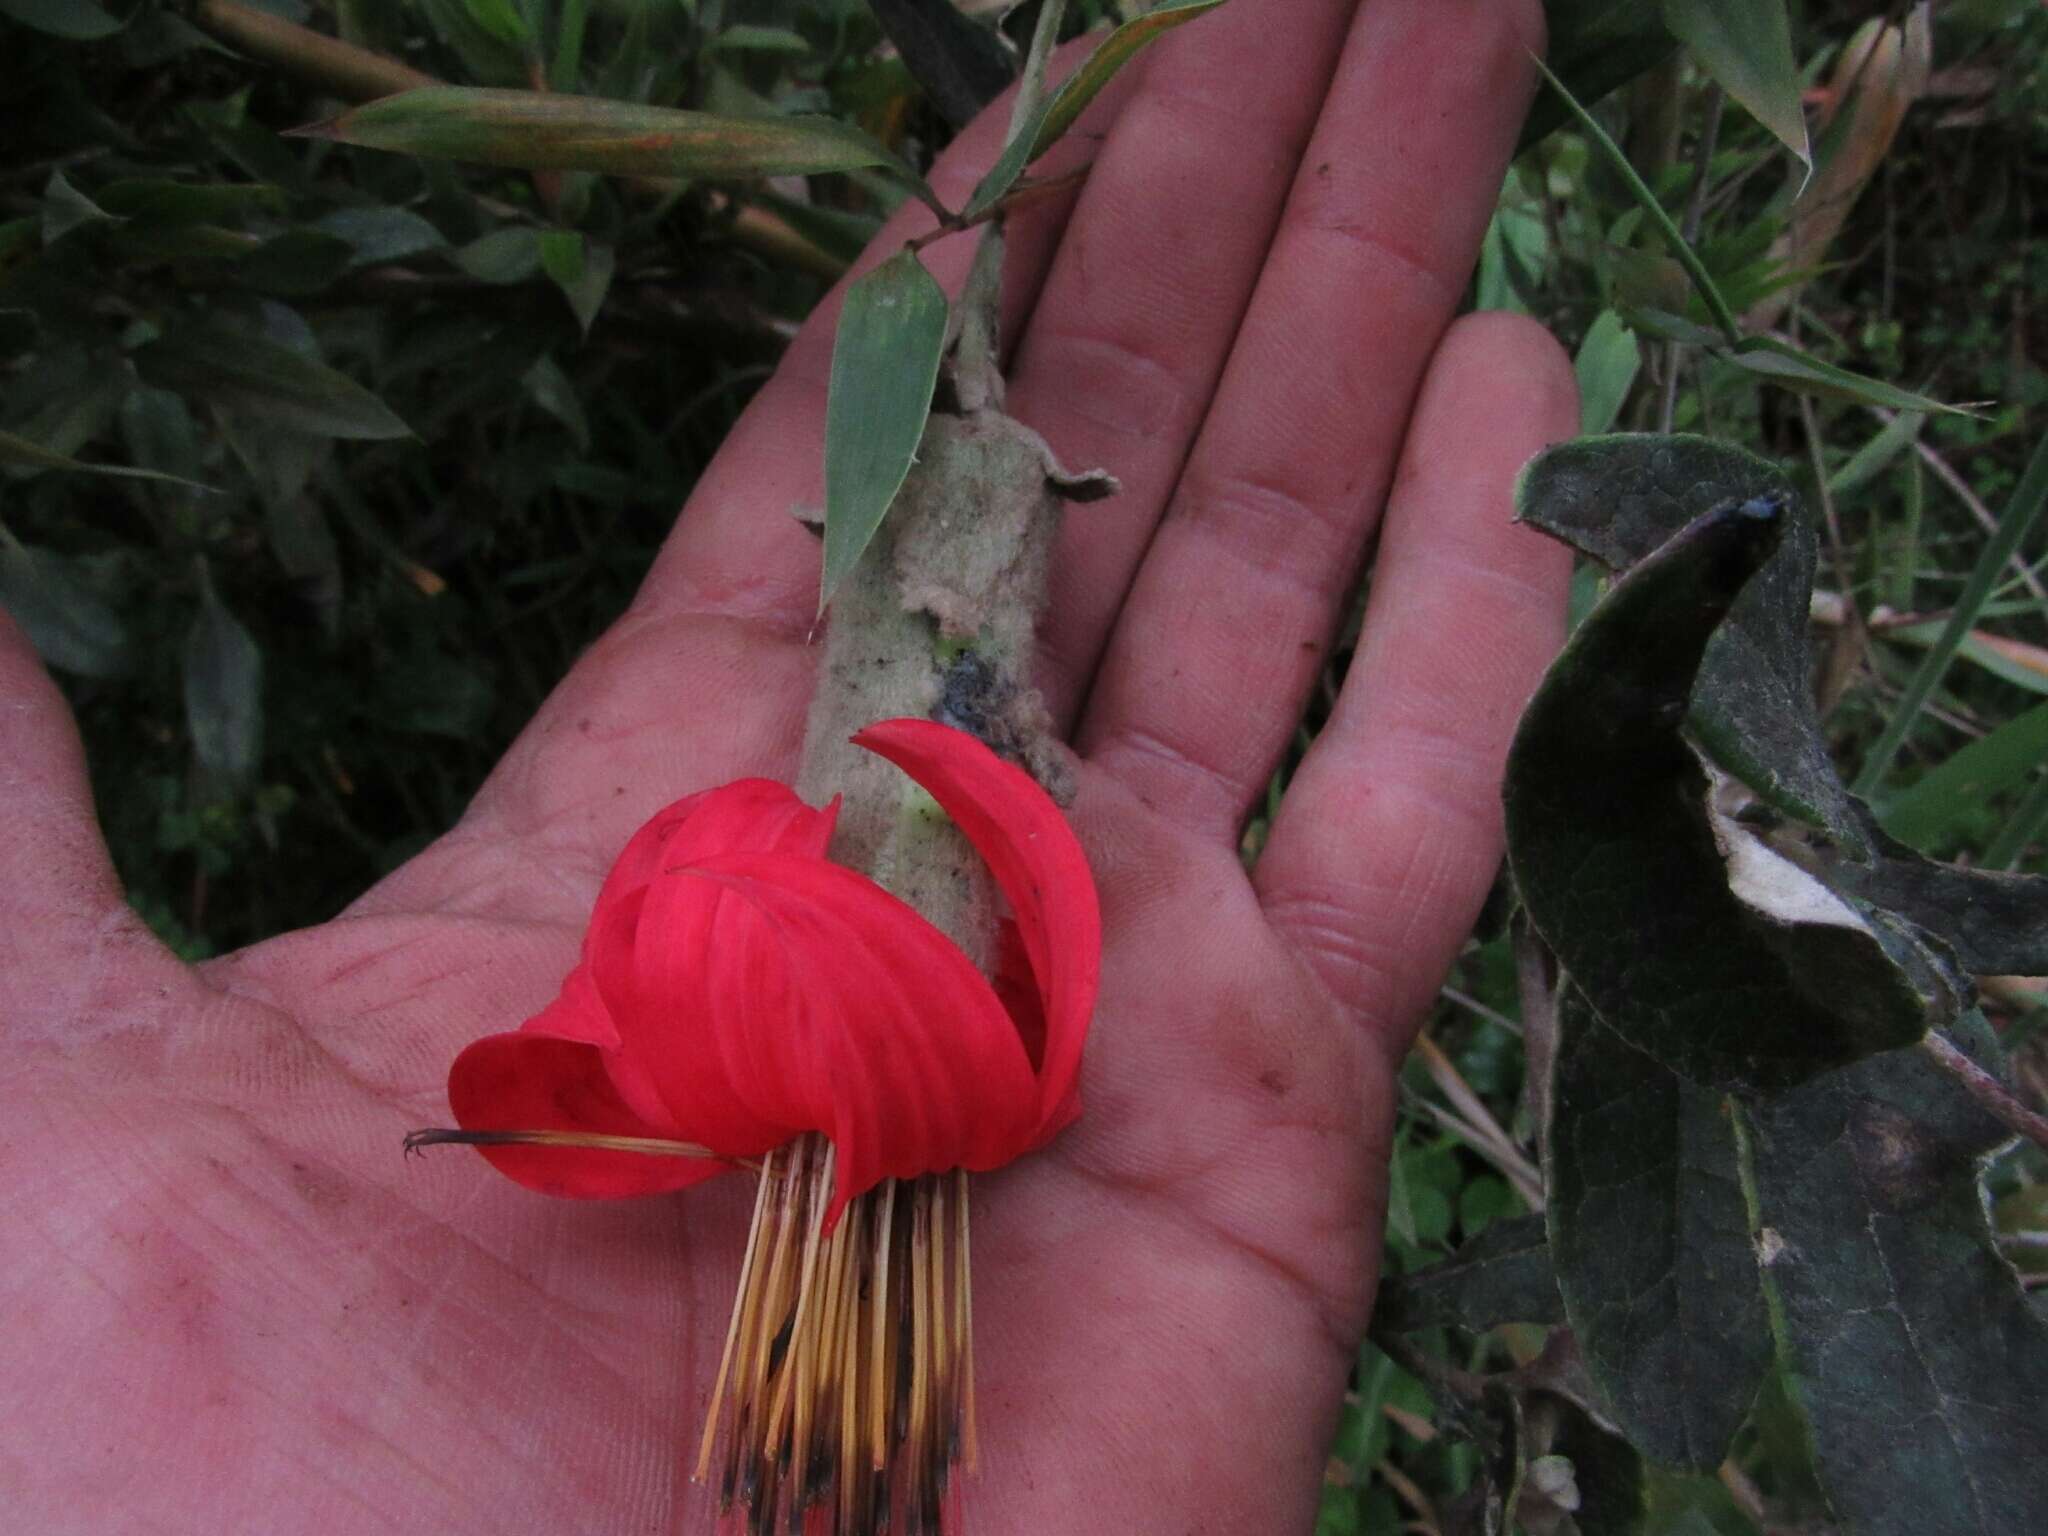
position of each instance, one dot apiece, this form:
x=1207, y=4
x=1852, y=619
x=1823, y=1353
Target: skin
x=230, y=1303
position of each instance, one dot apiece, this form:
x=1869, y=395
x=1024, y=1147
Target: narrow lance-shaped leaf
x=1746, y=45
x=885, y=365
x=15, y=449
x=1911, y=1349
x=544, y=131
x=1633, y=880
x=79, y=20
x=1501, y=1276
x=1650, y=1241
x=1064, y=107
x=258, y=376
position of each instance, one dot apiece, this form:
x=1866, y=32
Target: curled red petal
x=755, y=814
x=1039, y=865
x=867, y=1024
x=529, y=1080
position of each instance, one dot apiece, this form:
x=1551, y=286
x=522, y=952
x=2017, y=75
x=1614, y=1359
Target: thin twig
x=1992, y=1095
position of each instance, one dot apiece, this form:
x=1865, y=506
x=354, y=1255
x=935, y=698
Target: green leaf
x=542, y=131
x=158, y=200
x=754, y=39
x=504, y=256
x=1725, y=963
x=499, y=18
x=79, y=20
x=1911, y=1349
x=1608, y=361
x=260, y=377
x=19, y=450
x=223, y=674
x=959, y=63
x=378, y=235
x=71, y=626
x=1501, y=1276
x=1621, y=497
x=1746, y=45
x=1651, y=1243
x=582, y=270
x=1595, y=47
x=885, y=365
x=552, y=390
x=1948, y=797
x=1115, y=51
x=65, y=208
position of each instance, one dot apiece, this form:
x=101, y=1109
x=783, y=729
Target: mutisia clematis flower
x=738, y=989
x=742, y=999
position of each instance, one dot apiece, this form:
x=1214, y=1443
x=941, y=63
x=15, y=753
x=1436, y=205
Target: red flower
x=737, y=989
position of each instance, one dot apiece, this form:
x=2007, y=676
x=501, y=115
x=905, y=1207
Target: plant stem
x=978, y=366
x=1997, y=1099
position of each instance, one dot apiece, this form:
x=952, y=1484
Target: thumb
x=69, y=945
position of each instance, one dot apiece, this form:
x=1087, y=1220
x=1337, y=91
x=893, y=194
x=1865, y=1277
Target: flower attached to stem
x=743, y=1001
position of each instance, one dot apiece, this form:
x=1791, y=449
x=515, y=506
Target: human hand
x=233, y=1307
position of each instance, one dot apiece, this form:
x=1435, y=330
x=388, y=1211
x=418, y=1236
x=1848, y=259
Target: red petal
x=757, y=814
x=534, y=1081
x=1038, y=863
x=857, y=1018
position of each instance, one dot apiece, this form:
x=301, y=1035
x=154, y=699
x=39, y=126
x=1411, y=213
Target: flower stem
x=844, y=1399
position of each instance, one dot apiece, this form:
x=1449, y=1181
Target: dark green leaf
x=539, y=130
x=223, y=674
x=582, y=270
x=260, y=377
x=156, y=200
x=960, y=64
x=1596, y=46
x=79, y=20
x=19, y=450
x=71, y=626
x=1746, y=45
x=65, y=208
x=1651, y=1244
x=1501, y=1276
x=381, y=234
x=1996, y=923
x=504, y=256
x=1911, y=1349
x=1619, y=498
x=1622, y=865
x=299, y=261
x=885, y=364
x=553, y=391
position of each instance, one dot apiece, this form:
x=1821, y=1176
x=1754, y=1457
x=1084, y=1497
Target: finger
x=66, y=935
x=1243, y=584
x=1123, y=350
x=1390, y=833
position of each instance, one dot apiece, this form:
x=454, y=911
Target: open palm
x=232, y=1306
